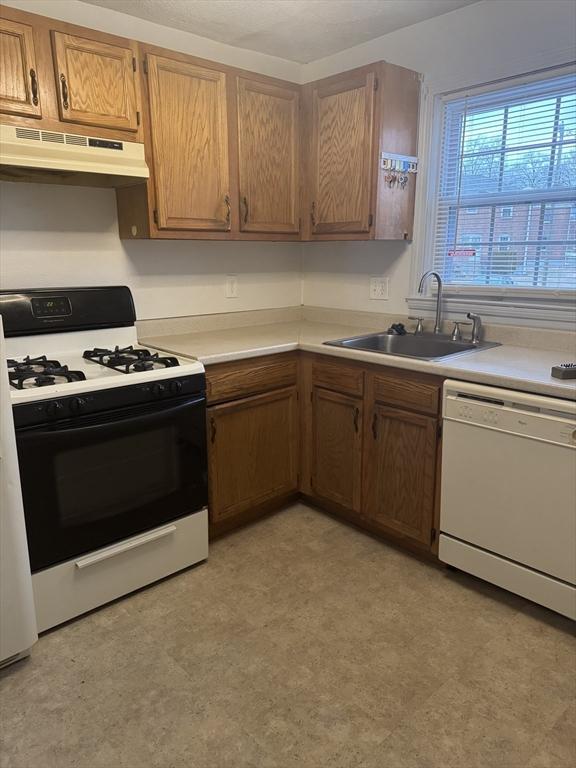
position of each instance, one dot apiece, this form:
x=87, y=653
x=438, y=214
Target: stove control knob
x=77, y=404
x=175, y=387
x=158, y=390
x=53, y=408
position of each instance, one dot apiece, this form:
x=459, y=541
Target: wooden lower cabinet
x=361, y=441
x=400, y=473
x=336, y=452
x=252, y=453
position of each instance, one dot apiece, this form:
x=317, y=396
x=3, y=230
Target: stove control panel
x=40, y=412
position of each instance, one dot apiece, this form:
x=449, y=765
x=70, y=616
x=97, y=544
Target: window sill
x=504, y=310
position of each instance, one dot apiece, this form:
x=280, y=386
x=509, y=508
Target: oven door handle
x=115, y=418
x=124, y=546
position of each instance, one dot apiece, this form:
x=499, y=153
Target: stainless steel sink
x=423, y=346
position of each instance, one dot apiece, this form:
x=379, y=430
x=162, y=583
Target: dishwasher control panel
x=536, y=423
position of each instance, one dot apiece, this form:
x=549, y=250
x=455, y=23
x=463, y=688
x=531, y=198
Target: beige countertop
x=512, y=367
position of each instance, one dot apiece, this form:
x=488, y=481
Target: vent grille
x=55, y=138
x=27, y=133
x=51, y=136
x=80, y=141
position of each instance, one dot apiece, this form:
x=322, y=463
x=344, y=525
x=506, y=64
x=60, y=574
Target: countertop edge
x=432, y=367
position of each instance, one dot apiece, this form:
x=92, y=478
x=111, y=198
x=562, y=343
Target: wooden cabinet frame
x=48, y=86
x=388, y=120
x=19, y=60
x=345, y=407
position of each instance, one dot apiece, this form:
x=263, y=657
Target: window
x=508, y=154
x=471, y=210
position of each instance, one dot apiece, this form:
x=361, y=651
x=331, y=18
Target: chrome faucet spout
x=425, y=276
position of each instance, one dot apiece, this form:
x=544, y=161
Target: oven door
x=94, y=480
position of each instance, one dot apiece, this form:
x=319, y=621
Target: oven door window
x=95, y=481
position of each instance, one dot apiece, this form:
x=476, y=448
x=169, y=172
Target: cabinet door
x=399, y=474
x=337, y=448
x=19, y=93
x=95, y=82
x=190, y=145
x=342, y=136
x=252, y=452
x=268, y=157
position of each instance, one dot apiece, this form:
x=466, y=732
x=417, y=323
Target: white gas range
x=111, y=447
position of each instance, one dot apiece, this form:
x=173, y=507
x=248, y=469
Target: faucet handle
x=419, y=325
x=456, y=332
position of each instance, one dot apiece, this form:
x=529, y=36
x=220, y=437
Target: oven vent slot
x=55, y=138
x=28, y=133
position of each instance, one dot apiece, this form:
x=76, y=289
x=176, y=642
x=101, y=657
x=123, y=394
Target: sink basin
x=423, y=346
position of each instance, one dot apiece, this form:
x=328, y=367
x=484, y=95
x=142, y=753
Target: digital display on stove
x=51, y=306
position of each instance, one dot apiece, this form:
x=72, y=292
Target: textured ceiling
x=297, y=30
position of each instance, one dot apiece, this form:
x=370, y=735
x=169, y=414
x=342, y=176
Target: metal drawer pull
x=245, y=201
x=375, y=426
x=125, y=546
x=64, y=86
x=34, y=86
x=356, y=417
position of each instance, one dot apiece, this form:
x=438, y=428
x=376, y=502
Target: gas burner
x=40, y=372
x=39, y=364
x=129, y=359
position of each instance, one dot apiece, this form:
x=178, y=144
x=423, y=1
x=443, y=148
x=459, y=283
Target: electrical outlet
x=231, y=287
x=379, y=288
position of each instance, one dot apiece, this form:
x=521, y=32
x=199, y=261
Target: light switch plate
x=231, y=287
x=379, y=288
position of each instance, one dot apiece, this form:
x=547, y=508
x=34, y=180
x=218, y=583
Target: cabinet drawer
x=230, y=381
x=338, y=378
x=407, y=392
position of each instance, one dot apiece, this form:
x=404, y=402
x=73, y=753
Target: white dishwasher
x=508, y=509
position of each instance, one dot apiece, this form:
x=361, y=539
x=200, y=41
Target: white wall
x=65, y=236
x=488, y=40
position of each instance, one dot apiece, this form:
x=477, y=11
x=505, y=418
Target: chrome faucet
x=425, y=276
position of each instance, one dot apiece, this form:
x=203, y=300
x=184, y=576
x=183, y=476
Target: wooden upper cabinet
x=399, y=472
x=188, y=117
x=19, y=94
x=341, y=154
x=268, y=147
x=336, y=454
x=95, y=82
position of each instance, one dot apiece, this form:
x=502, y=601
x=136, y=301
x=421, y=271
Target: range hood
x=30, y=154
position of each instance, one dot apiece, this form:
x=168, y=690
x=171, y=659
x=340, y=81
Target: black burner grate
x=41, y=372
x=130, y=359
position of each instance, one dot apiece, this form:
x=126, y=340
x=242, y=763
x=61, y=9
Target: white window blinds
x=506, y=198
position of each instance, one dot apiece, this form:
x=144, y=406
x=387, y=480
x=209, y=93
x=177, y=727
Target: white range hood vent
x=32, y=154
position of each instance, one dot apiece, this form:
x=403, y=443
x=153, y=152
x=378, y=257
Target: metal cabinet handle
x=34, y=86
x=375, y=426
x=64, y=87
x=228, y=209
x=246, y=210
x=356, y=419
x=212, y=431
x=313, y=214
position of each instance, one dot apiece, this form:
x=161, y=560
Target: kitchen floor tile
x=301, y=642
